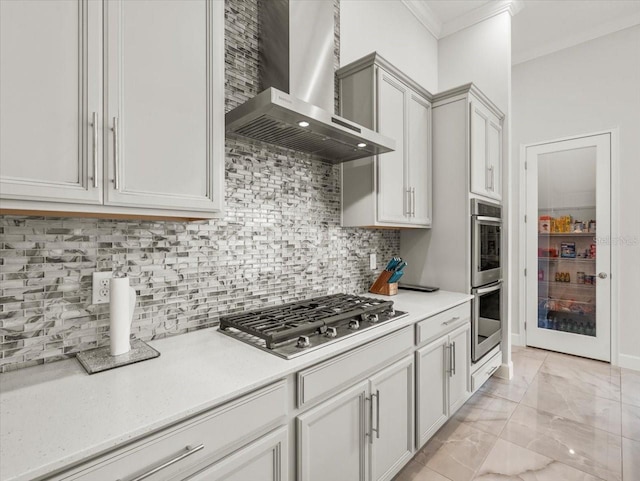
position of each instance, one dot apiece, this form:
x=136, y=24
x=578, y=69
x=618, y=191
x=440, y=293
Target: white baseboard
x=505, y=371
x=629, y=362
x=517, y=340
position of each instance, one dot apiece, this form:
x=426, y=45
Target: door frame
x=521, y=338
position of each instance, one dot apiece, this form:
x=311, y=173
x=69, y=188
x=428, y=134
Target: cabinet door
x=486, y=152
x=393, y=196
x=478, y=130
x=262, y=460
x=494, y=158
x=460, y=367
x=331, y=438
x=392, y=429
x=49, y=93
x=431, y=379
x=165, y=95
x=419, y=159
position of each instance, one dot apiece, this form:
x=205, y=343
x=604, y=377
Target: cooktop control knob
x=354, y=325
x=372, y=318
x=303, y=341
x=331, y=332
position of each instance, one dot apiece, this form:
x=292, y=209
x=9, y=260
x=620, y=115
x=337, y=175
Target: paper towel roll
x=122, y=304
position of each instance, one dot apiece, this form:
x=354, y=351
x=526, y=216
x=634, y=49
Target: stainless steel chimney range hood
x=296, y=70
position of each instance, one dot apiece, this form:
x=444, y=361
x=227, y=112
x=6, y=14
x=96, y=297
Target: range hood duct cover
x=297, y=73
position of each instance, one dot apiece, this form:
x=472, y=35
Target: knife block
x=382, y=286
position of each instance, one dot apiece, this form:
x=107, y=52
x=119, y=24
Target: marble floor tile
x=581, y=446
x=630, y=387
x=508, y=461
x=513, y=389
x=525, y=367
x=456, y=451
x=486, y=413
x=552, y=394
x=631, y=421
x=415, y=471
x=590, y=377
x=529, y=352
x=588, y=364
x=630, y=460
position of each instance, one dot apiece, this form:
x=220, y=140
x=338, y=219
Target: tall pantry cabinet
x=467, y=164
x=113, y=107
x=391, y=189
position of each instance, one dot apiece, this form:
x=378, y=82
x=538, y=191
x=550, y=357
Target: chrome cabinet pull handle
x=451, y=321
x=189, y=451
x=450, y=370
x=453, y=356
x=377, y=428
x=492, y=370
x=94, y=125
x=116, y=155
x=377, y=413
x=413, y=201
x=370, y=433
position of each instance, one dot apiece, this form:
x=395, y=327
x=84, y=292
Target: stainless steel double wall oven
x=486, y=277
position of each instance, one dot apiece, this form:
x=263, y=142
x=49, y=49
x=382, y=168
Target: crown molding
x=573, y=40
x=480, y=14
x=425, y=16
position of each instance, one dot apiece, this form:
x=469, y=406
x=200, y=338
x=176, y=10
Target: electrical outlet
x=373, y=262
x=101, y=287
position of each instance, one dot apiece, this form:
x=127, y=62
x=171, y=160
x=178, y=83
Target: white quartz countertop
x=55, y=415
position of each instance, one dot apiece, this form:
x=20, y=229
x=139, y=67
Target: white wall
x=390, y=29
x=592, y=87
x=482, y=54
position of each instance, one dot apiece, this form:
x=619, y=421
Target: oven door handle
x=488, y=220
x=485, y=290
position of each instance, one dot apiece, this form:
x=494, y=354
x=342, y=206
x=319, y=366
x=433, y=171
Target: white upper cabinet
x=419, y=158
x=49, y=94
x=392, y=194
x=163, y=122
x=486, y=151
x=391, y=189
x=158, y=147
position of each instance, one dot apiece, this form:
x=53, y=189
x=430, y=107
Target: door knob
x=602, y=275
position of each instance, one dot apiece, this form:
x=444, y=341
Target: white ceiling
x=447, y=10
x=539, y=27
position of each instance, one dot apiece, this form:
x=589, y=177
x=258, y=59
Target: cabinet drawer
x=481, y=376
x=435, y=326
x=318, y=381
x=192, y=444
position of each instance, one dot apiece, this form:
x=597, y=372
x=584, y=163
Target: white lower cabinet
x=392, y=399
x=460, y=371
x=432, y=408
x=332, y=440
x=442, y=381
x=235, y=436
x=263, y=460
x=370, y=409
x=364, y=433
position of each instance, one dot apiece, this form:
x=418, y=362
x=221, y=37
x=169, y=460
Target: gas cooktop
x=293, y=329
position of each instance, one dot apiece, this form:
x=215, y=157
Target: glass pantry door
x=568, y=253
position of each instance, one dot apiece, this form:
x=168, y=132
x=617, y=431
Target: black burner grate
x=288, y=321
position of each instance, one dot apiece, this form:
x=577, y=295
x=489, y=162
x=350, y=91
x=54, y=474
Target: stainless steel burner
x=296, y=328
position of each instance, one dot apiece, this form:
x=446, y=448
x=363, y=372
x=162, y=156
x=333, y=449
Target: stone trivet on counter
x=98, y=360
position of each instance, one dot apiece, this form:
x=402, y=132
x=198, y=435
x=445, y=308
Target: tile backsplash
x=280, y=241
